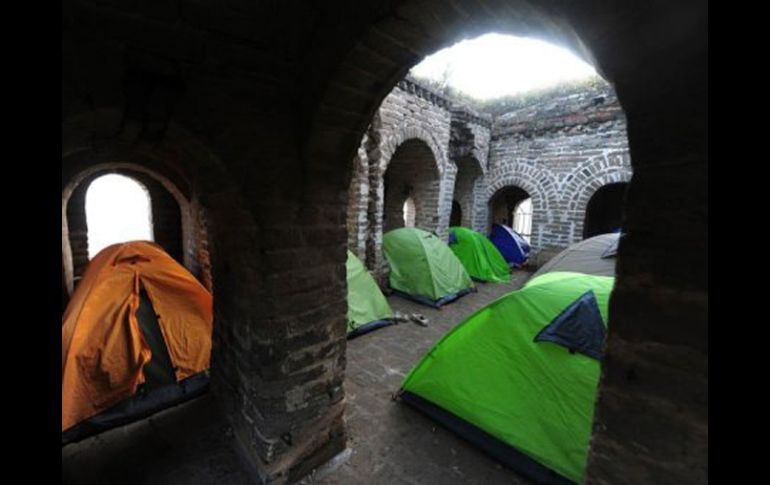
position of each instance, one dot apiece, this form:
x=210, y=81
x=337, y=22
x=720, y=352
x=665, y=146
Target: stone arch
x=504, y=202
x=410, y=174
x=381, y=158
x=582, y=187
x=97, y=137
x=538, y=183
x=578, y=186
x=402, y=134
x=182, y=243
x=541, y=188
x=97, y=141
x=350, y=65
x=668, y=121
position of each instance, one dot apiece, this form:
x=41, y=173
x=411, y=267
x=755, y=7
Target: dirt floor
x=390, y=443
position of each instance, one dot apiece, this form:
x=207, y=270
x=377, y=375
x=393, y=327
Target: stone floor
x=390, y=442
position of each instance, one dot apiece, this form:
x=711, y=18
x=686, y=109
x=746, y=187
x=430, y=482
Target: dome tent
x=519, y=377
x=423, y=268
x=136, y=338
x=479, y=256
x=367, y=307
x=595, y=255
x=511, y=244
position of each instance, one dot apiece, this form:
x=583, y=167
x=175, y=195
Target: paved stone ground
x=391, y=443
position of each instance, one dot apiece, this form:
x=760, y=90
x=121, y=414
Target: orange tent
x=104, y=351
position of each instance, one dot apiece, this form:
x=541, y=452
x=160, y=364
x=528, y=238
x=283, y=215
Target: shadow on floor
x=186, y=444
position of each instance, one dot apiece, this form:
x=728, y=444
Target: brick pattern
x=421, y=120
x=560, y=151
x=358, y=201
x=261, y=106
x=468, y=191
x=412, y=172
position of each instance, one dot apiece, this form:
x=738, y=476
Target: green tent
x=367, y=307
x=519, y=377
x=423, y=268
x=478, y=255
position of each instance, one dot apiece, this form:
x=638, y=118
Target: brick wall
x=416, y=117
x=261, y=106
x=560, y=151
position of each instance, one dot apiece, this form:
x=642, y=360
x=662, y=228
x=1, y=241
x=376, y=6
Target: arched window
x=118, y=209
x=522, y=218
x=409, y=212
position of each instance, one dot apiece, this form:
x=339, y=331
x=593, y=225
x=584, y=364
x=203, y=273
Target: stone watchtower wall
x=559, y=150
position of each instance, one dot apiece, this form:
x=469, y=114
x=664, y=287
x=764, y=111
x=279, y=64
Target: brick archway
x=536, y=183
x=283, y=93
x=185, y=246
x=427, y=193
x=394, y=140
x=540, y=187
x=587, y=186
x=414, y=24
x=90, y=148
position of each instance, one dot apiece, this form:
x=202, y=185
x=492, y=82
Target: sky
x=496, y=65
x=117, y=210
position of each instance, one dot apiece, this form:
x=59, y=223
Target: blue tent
x=511, y=244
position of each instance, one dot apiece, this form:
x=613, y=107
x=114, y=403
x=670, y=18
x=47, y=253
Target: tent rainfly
x=367, y=307
x=513, y=247
x=423, y=268
x=136, y=338
x=595, y=255
x=478, y=255
x=519, y=377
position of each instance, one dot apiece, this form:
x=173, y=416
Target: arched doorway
x=355, y=58
x=604, y=212
x=172, y=221
x=118, y=209
x=411, y=173
x=503, y=204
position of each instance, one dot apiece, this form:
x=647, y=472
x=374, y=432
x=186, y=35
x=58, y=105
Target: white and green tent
x=423, y=268
x=367, y=307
